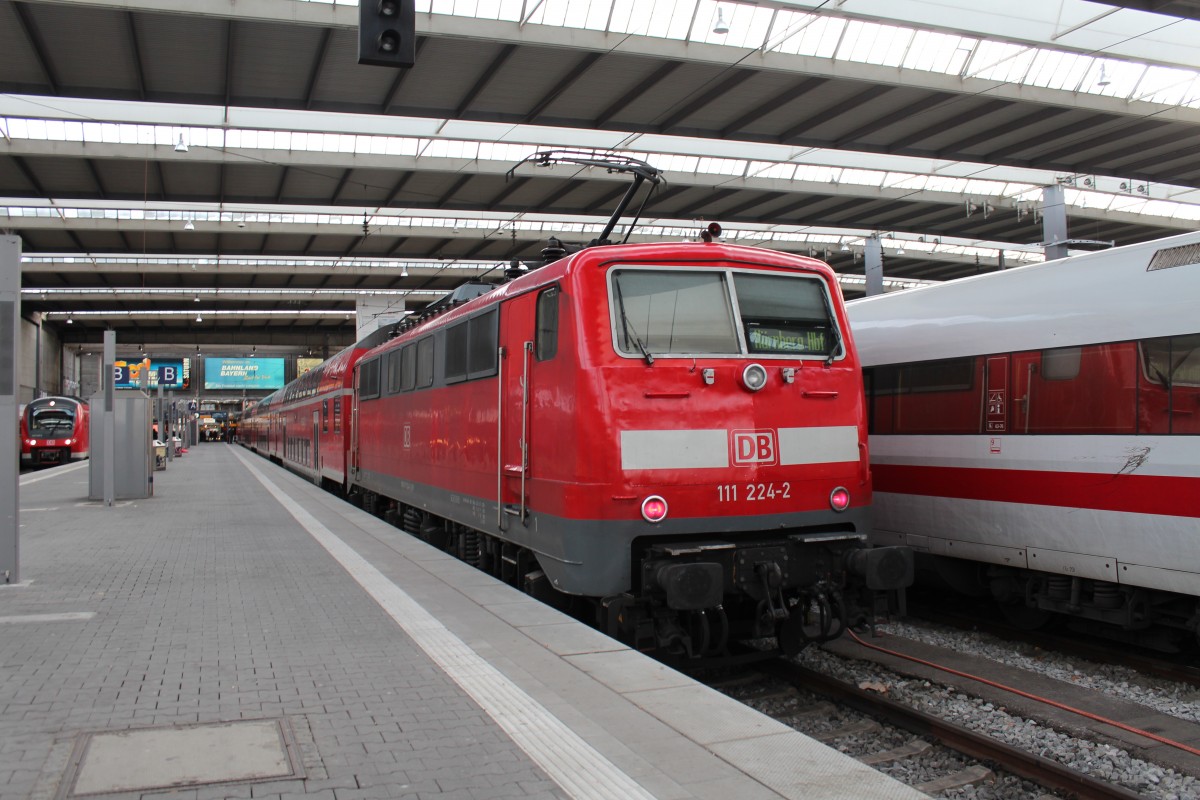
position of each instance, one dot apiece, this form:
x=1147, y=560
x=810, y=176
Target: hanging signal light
x=387, y=33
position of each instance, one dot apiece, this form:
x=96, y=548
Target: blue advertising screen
x=170, y=373
x=243, y=373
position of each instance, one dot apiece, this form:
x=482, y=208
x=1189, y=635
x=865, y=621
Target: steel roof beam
x=489, y=74
x=649, y=82
x=574, y=74
x=34, y=37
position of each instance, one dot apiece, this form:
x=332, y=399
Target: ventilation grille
x=1175, y=257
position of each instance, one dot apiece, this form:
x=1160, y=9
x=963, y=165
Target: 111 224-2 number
x=731, y=492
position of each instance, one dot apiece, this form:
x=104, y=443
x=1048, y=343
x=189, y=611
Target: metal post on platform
x=158, y=418
x=170, y=427
x=10, y=452
x=109, y=417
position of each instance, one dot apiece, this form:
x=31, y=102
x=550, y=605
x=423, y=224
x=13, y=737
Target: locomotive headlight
x=33, y=442
x=839, y=499
x=67, y=442
x=654, y=509
x=754, y=377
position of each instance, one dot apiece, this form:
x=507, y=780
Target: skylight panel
x=819, y=36
x=819, y=174
x=677, y=26
x=506, y=9
x=439, y=6
x=1001, y=61
x=942, y=183
x=878, y=44
x=858, y=42
x=752, y=26
x=622, y=14
x=863, y=177
x=766, y=169
x=1171, y=86
x=939, y=52
x=554, y=12
x=669, y=18
x=804, y=34
x=1058, y=70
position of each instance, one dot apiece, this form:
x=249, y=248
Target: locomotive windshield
x=703, y=312
x=49, y=419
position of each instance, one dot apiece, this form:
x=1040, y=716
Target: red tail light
x=654, y=509
x=839, y=499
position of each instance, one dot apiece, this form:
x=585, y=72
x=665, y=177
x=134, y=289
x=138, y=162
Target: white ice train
x=1035, y=435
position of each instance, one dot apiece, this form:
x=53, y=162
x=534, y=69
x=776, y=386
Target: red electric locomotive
x=54, y=430
x=668, y=438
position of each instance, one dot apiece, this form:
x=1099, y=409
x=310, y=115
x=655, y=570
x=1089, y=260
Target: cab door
x=517, y=326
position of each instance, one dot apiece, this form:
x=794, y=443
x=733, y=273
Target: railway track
x=1096, y=650
x=928, y=750
x=990, y=753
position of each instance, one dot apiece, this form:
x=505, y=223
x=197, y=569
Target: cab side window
x=546, y=334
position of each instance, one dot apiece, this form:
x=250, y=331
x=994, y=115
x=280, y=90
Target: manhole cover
x=155, y=758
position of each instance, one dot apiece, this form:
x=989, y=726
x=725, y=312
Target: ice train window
x=1173, y=361
x=1061, y=364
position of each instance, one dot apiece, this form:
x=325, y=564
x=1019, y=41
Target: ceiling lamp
x=1103, y=80
x=69, y=320
x=720, y=27
x=198, y=317
x=404, y=271
x=181, y=146
x=845, y=248
x=189, y=226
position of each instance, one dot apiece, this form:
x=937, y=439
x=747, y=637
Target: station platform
x=244, y=634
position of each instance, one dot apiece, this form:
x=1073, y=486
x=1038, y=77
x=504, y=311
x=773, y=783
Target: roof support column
x=873, y=262
x=10, y=320
x=1054, y=222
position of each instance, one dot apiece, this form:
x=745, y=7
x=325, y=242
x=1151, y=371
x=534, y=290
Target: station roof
x=233, y=162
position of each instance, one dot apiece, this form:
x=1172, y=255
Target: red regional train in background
x=1034, y=436
x=54, y=430
x=668, y=439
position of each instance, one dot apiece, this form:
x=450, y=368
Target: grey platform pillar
x=1054, y=222
x=873, y=263
x=10, y=320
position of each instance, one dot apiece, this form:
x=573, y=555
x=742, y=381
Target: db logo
x=754, y=447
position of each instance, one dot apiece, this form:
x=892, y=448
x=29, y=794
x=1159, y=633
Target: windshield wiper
x=833, y=326
x=625, y=324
